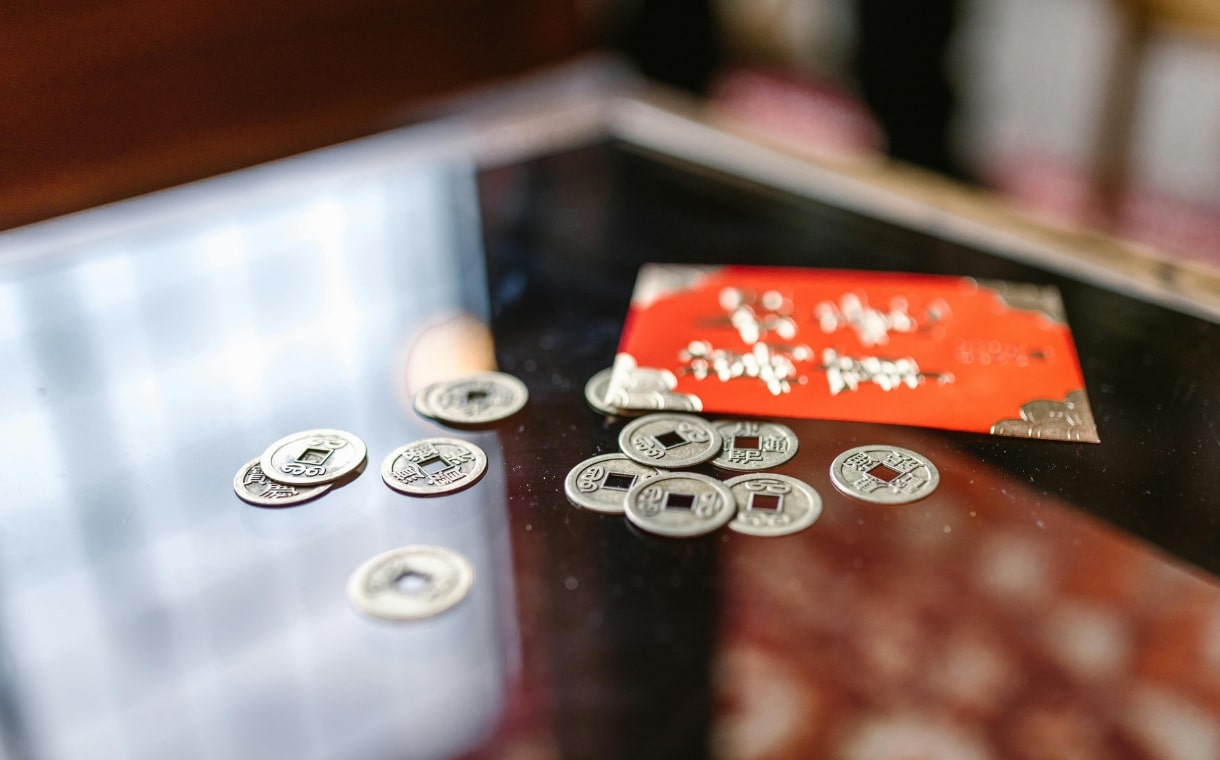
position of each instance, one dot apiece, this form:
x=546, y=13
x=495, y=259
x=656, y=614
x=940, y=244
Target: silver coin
x=421, y=404
x=769, y=504
x=313, y=457
x=601, y=483
x=596, y=392
x=253, y=486
x=410, y=583
x=670, y=440
x=884, y=474
x=751, y=445
x=680, y=504
x=433, y=466
x=475, y=399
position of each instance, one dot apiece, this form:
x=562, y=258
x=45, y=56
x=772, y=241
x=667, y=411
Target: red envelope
x=931, y=351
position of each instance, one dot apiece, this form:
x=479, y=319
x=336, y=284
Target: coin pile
x=641, y=481
x=411, y=582
x=300, y=467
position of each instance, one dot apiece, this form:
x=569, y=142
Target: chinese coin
x=773, y=505
x=884, y=474
x=601, y=483
x=750, y=445
x=410, y=583
x=670, y=440
x=433, y=466
x=253, y=486
x=475, y=399
x=313, y=457
x=680, y=504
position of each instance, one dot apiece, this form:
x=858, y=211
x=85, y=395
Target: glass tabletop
x=1047, y=596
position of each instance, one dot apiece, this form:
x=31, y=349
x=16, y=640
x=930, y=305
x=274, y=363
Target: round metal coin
x=680, y=504
x=313, y=457
x=421, y=404
x=410, y=583
x=433, y=466
x=884, y=474
x=751, y=445
x=602, y=483
x=596, y=392
x=253, y=486
x=670, y=440
x=475, y=399
x=773, y=505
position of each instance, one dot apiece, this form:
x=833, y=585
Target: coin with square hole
x=769, y=504
x=313, y=457
x=434, y=466
x=474, y=400
x=253, y=486
x=602, y=482
x=750, y=445
x=884, y=474
x=670, y=441
x=680, y=504
x=410, y=583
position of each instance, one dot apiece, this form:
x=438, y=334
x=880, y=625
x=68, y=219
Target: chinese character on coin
x=433, y=466
x=884, y=474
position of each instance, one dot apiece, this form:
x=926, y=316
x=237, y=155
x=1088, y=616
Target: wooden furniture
x=103, y=101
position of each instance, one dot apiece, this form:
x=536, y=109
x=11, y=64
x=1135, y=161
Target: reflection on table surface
x=958, y=627
x=149, y=613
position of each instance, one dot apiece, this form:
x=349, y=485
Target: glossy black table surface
x=1049, y=596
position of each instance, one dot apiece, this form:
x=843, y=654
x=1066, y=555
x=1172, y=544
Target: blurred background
x=1101, y=113
x=142, y=607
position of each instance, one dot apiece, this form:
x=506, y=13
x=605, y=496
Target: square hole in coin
x=881, y=472
x=745, y=442
x=433, y=465
x=618, y=481
x=671, y=439
x=766, y=502
x=412, y=582
x=679, y=501
x=314, y=456
x=475, y=396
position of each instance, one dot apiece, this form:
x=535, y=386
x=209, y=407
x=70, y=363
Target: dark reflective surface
x=1149, y=370
x=149, y=613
